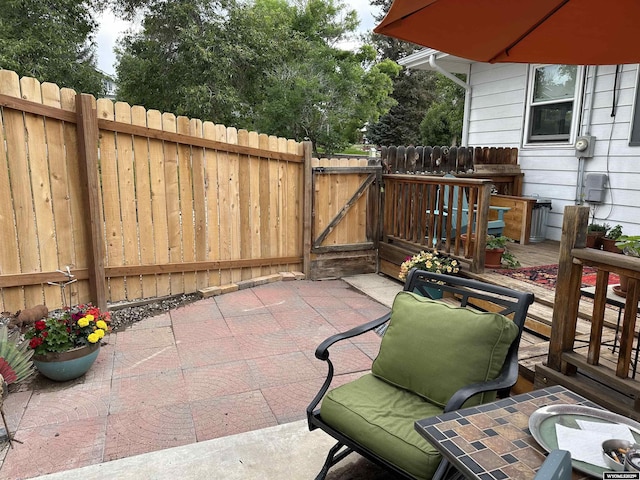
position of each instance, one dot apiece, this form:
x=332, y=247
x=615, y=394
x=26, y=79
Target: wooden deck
x=534, y=345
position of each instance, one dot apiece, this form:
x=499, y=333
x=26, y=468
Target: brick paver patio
x=224, y=365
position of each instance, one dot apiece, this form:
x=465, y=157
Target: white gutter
x=467, y=96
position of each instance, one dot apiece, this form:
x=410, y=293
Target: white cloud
x=109, y=30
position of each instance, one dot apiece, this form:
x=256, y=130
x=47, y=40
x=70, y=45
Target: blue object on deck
x=494, y=227
x=557, y=466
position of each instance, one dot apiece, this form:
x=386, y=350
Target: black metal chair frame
x=466, y=290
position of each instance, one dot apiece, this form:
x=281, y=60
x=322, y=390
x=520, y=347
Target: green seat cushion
x=381, y=417
x=434, y=349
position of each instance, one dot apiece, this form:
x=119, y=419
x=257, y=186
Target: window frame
x=551, y=140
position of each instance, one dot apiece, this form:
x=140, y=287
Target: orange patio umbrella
x=574, y=32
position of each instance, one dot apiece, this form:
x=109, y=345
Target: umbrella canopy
x=573, y=32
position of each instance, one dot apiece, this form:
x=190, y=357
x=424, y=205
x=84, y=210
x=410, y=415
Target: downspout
x=467, y=96
x=585, y=130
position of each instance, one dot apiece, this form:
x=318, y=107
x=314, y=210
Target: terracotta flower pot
x=67, y=365
x=609, y=245
x=492, y=258
x=594, y=239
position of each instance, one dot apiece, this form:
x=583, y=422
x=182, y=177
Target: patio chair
x=494, y=227
x=435, y=357
x=557, y=466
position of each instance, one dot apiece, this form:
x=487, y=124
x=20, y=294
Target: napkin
x=584, y=445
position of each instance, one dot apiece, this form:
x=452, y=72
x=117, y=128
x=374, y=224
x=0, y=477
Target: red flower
x=44, y=334
x=35, y=342
x=40, y=325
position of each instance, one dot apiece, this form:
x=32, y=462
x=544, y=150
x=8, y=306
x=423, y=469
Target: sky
x=111, y=28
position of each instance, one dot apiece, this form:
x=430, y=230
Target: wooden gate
x=344, y=217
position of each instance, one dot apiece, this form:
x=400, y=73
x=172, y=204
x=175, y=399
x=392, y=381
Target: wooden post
x=565, y=308
x=306, y=209
x=87, y=122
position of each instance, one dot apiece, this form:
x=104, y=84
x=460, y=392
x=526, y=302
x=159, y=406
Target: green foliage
x=266, y=65
x=18, y=365
x=51, y=41
x=614, y=233
x=598, y=227
x=442, y=124
x=629, y=244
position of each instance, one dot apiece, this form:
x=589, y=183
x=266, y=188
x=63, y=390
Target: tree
x=265, y=65
x=413, y=91
x=442, y=124
x=51, y=41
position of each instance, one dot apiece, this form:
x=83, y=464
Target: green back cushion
x=433, y=349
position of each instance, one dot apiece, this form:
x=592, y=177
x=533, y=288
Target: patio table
x=493, y=441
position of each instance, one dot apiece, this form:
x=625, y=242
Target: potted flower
x=595, y=232
x=610, y=238
x=67, y=341
x=497, y=255
x=430, y=262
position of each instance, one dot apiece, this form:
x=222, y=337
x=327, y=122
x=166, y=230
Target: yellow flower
x=93, y=337
x=89, y=317
x=101, y=324
x=99, y=332
x=83, y=322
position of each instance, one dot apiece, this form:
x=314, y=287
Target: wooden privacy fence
x=500, y=164
x=139, y=204
x=344, y=227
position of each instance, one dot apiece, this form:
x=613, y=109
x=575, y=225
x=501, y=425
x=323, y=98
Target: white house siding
x=496, y=118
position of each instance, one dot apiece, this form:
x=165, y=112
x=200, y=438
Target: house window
x=551, y=103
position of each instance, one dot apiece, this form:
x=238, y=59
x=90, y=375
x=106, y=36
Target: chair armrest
x=507, y=378
x=501, y=210
x=322, y=352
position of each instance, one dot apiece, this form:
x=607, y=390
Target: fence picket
x=224, y=202
x=199, y=202
x=111, y=201
x=213, y=204
x=20, y=188
x=185, y=180
x=126, y=186
x=254, y=207
x=234, y=205
x=266, y=219
x=172, y=187
x=9, y=253
x=244, y=203
x=144, y=209
x=40, y=188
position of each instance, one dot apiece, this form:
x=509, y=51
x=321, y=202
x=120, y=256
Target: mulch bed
x=547, y=275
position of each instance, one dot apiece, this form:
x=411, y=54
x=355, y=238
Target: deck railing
x=418, y=212
x=562, y=357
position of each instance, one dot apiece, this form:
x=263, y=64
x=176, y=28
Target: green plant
x=68, y=328
x=494, y=242
x=598, y=227
x=629, y=244
x=15, y=358
x=508, y=259
x=429, y=261
x=614, y=233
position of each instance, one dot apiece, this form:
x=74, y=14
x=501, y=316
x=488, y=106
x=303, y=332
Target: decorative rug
x=546, y=275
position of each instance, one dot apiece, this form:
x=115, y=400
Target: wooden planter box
x=518, y=219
